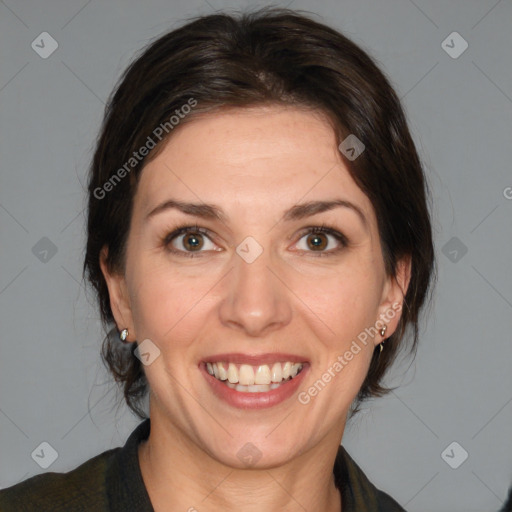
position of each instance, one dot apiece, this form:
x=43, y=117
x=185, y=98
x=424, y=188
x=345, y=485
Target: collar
x=124, y=483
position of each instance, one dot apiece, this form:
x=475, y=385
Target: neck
x=179, y=475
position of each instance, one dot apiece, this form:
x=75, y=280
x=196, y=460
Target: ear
x=395, y=289
x=119, y=298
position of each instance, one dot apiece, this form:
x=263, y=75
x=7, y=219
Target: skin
x=254, y=164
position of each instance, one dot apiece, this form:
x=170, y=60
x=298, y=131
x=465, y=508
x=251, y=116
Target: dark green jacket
x=112, y=481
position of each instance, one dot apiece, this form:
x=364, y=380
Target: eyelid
x=184, y=229
x=327, y=230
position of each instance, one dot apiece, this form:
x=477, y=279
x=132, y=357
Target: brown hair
x=270, y=56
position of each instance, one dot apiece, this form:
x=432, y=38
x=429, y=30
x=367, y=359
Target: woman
x=259, y=234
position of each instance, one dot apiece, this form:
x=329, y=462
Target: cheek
x=346, y=300
x=166, y=303
x=174, y=303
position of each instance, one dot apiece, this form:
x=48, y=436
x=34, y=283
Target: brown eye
x=188, y=240
x=193, y=241
x=323, y=240
x=317, y=241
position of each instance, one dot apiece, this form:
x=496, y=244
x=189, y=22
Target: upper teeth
x=248, y=375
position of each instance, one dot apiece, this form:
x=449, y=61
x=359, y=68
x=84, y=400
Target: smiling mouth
x=254, y=379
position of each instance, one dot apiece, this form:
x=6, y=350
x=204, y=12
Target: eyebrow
x=296, y=212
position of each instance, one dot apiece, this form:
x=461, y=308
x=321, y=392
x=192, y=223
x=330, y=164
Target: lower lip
x=259, y=400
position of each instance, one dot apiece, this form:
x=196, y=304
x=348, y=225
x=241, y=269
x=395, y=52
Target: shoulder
x=81, y=489
x=358, y=493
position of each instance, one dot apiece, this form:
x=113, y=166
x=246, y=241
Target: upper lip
x=254, y=359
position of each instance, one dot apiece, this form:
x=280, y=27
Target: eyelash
x=181, y=230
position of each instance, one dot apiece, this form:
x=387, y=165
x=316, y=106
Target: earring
x=382, y=332
x=123, y=335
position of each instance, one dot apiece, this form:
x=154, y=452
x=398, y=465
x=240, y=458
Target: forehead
x=269, y=157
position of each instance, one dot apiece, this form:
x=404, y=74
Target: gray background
x=52, y=383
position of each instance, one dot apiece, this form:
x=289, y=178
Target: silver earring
x=123, y=335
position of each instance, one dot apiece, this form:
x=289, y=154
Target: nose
x=255, y=301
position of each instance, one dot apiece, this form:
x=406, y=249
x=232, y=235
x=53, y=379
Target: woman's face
x=250, y=285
